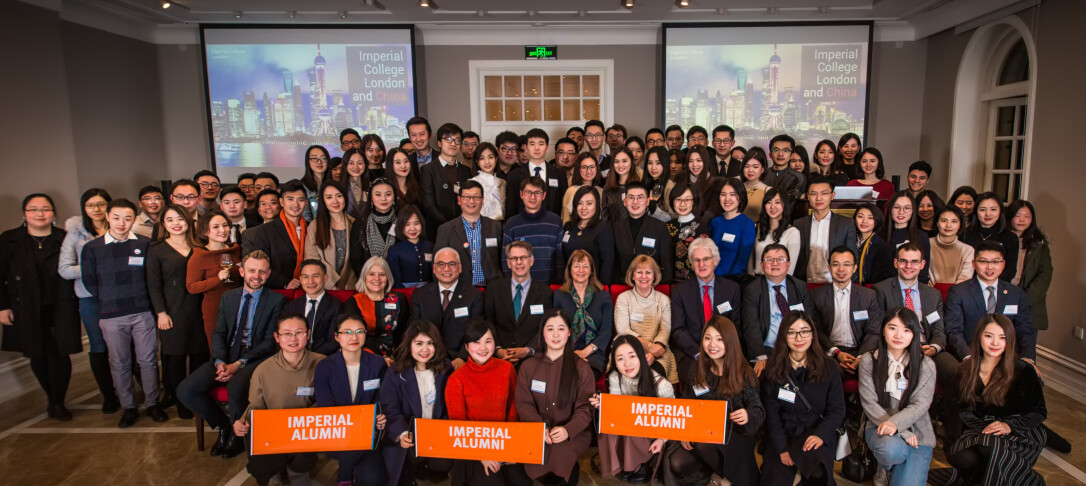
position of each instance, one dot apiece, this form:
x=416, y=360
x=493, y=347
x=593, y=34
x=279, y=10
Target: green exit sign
x=541, y=52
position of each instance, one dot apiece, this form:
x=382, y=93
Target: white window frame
x=1017, y=176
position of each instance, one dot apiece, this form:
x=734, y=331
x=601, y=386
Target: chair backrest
x=943, y=288
x=616, y=289
x=288, y=293
x=342, y=295
x=812, y=286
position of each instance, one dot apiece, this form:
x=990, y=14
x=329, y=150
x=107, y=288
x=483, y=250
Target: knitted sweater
x=950, y=264
x=116, y=276
x=543, y=230
x=735, y=239
x=483, y=392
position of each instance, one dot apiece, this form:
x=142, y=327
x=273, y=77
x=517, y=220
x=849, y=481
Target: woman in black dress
x=180, y=317
x=586, y=231
x=38, y=309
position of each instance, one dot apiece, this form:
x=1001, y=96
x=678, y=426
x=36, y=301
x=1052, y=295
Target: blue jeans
x=88, y=312
x=908, y=465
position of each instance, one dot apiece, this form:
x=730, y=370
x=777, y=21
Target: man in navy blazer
x=537, y=166
x=689, y=309
x=820, y=232
x=762, y=314
x=448, y=303
x=318, y=307
x=244, y=336
x=969, y=301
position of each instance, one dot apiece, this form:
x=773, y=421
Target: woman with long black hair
x=990, y=224
x=316, y=167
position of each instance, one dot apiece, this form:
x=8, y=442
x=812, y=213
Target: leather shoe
x=57, y=411
x=234, y=447
x=156, y=413
x=128, y=418
x=642, y=475
x=111, y=404
x=183, y=412
x=225, y=434
x=167, y=400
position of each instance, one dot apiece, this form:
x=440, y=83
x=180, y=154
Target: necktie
x=311, y=318
x=517, y=301
x=237, y=234
x=239, y=329
x=445, y=299
x=537, y=171
x=782, y=303
x=991, y=300
x=707, y=303
x=909, y=299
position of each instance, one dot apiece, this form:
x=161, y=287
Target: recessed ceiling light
x=292, y=13
x=165, y=4
x=682, y=3
x=237, y=15
x=343, y=14
x=629, y=4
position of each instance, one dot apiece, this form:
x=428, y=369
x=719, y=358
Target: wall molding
x=1062, y=373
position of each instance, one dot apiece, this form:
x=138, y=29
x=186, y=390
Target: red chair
x=219, y=395
x=342, y=295
x=616, y=289
x=943, y=288
x=850, y=385
x=812, y=286
x=290, y=294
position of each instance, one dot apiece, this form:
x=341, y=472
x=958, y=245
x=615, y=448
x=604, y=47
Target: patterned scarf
x=379, y=243
x=583, y=325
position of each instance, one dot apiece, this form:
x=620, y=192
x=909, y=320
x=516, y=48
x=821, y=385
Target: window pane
x=591, y=110
x=1016, y=66
x=1002, y=156
x=512, y=110
x=1021, y=120
x=1001, y=184
x=512, y=86
x=493, y=86
x=572, y=110
x=1005, y=121
x=494, y=110
x=1019, y=152
x=1016, y=187
x=532, y=110
x=571, y=86
x=591, y=85
x=552, y=86
x=552, y=110
x=533, y=87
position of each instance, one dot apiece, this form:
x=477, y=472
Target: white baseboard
x=16, y=378
x=1062, y=373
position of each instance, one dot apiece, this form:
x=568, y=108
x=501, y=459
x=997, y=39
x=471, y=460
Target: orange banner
x=664, y=418
x=349, y=428
x=480, y=441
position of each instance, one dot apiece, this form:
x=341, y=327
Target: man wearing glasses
x=349, y=139
x=565, y=155
x=723, y=141
x=765, y=302
x=616, y=137
x=448, y=303
x=697, y=300
x=475, y=237
x=515, y=304
x=467, y=149
x=538, y=142
x=780, y=173
x=819, y=232
x=847, y=317
x=641, y=234
x=593, y=139
x=151, y=205
x=440, y=182
x=508, y=144
x=540, y=228
x=673, y=137
x=186, y=193
x=209, y=190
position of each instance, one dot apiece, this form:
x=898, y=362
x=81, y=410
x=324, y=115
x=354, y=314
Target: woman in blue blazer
x=583, y=298
x=352, y=376
x=414, y=388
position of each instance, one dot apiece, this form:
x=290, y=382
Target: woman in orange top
x=208, y=271
x=385, y=312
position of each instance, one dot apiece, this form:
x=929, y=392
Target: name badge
x=552, y=182
x=875, y=194
x=431, y=396
x=456, y=188
x=648, y=242
x=460, y=312
x=428, y=257
x=305, y=391
x=931, y=318
x=902, y=383
x=637, y=317
x=700, y=390
x=727, y=238
x=1010, y=310
x=491, y=242
x=371, y=384
x=391, y=306
x=725, y=307
x=137, y=261
x=539, y=386
x=565, y=239
x=786, y=395
x=859, y=315
x=536, y=309
x=797, y=307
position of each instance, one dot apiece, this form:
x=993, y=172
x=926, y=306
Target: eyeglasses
x=532, y=193
x=774, y=260
x=318, y=159
x=703, y=260
x=588, y=167
x=184, y=197
x=614, y=136
x=212, y=185
x=348, y=332
x=347, y=143
x=452, y=140
x=803, y=333
x=519, y=258
x=39, y=210
x=780, y=151
x=684, y=200
x=594, y=136
x=696, y=139
x=472, y=198
x=636, y=198
x=723, y=140
x=469, y=144
x=989, y=262
x=914, y=263
x=901, y=209
x=508, y=148
x=444, y=265
x=292, y=335
x=99, y=205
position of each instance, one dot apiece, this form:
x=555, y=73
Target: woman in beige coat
x=329, y=238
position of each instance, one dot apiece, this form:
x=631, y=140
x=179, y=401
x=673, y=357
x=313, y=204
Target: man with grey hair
x=448, y=303
x=697, y=300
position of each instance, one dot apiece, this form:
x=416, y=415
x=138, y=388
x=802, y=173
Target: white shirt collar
x=442, y=288
x=838, y=290
x=110, y=239
x=541, y=165
x=445, y=162
x=318, y=298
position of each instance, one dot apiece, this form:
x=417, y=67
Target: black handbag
x=859, y=466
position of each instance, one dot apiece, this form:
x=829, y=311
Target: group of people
x=474, y=281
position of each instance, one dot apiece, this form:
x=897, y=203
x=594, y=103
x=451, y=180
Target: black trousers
x=195, y=393
x=52, y=369
x=266, y=466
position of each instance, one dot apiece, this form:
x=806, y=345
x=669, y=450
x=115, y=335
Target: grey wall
x=944, y=52
x=894, y=116
x=184, y=110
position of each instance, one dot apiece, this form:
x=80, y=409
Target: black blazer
x=554, y=178
x=861, y=300
x=729, y=168
x=628, y=246
x=467, y=301
x=263, y=343
x=452, y=235
x=333, y=387
x=755, y=311
x=599, y=242
x=888, y=293
x=516, y=332
x=323, y=335
x=688, y=314
x=876, y=263
x=401, y=403
x=272, y=239
x=842, y=232
x=438, y=194
x=786, y=423
x=965, y=306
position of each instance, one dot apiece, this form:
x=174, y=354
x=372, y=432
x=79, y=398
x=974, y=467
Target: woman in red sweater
x=483, y=390
x=870, y=174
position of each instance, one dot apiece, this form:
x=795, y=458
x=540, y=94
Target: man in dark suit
x=419, y=132
x=723, y=142
x=969, y=301
x=515, y=304
x=440, y=181
x=276, y=241
x=232, y=204
x=779, y=174
x=765, y=302
x=318, y=307
x=537, y=166
x=243, y=337
x=448, y=303
x=844, y=313
x=695, y=301
x=819, y=232
x=640, y=234
x=476, y=237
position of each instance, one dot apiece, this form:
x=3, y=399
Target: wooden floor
x=91, y=450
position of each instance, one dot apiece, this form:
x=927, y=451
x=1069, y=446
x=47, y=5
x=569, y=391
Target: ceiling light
x=628, y=3
x=292, y=13
x=581, y=13
x=823, y=10
x=343, y=14
x=424, y=3
x=165, y=4
x=480, y=13
x=721, y=11
x=771, y=10
x=237, y=15
x=682, y=3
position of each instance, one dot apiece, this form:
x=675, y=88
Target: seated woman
x=483, y=389
x=554, y=386
x=411, y=258
x=870, y=172
x=684, y=228
x=329, y=238
x=928, y=205
x=583, y=297
x=645, y=313
x=897, y=383
x=733, y=232
x=352, y=376
x=804, y=402
x=629, y=458
x=774, y=226
x=385, y=312
x=586, y=231
x=876, y=262
x=904, y=226
x=1003, y=410
x=414, y=387
x=724, y=374
x=951, y=258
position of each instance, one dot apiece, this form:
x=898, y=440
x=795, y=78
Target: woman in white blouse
x=486, y=159
x=774, y=227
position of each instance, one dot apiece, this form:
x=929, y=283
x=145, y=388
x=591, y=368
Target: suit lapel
x=854, y=305
x=895, y=288
x=978, y=294
x=412, y=391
